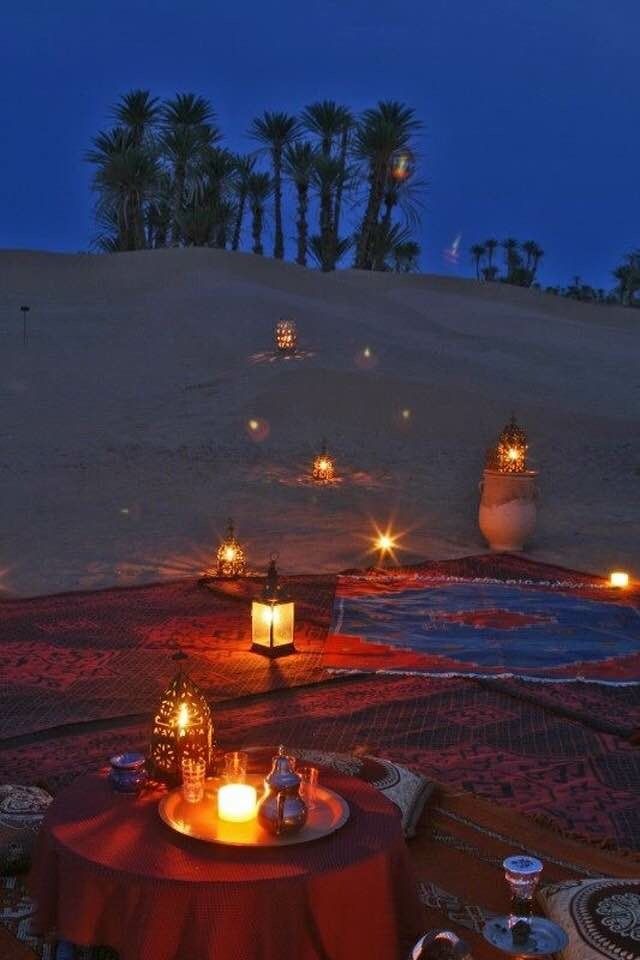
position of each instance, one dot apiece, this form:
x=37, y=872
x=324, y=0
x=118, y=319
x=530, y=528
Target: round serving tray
x=546, y=937
x=200, y=820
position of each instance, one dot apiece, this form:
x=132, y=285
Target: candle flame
x=183, y=717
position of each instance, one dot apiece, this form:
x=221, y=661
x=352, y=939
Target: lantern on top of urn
x=231, y=560
x=323, y=469
x=509, y=493
x=182, y=726
x=286, y=336
x=272, y=618
x=510, y=452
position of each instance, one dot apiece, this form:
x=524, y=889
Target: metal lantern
x=231, y=560
x=323, y=470
x=272, y=618
x=510, y=453
x=286, y=336
x=402, y=165
x=182, y=726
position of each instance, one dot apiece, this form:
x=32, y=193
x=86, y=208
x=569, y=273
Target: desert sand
x=124, y=436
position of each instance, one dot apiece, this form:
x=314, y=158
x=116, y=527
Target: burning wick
x=513, y=453
x=385, y=543
x=183, y=719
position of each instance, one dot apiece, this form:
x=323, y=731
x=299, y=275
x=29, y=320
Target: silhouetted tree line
x=163, y=178
x=520, y=263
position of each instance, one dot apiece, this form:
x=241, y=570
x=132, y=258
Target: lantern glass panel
x=272, y=626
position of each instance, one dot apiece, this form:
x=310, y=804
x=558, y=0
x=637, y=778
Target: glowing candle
x=183, y=719
x=619, y=578
x=237, y=802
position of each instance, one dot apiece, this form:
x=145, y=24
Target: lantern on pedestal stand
x=286, y=336
x=231, y=560
x=323, y=469
x=509, y=493
x=182, y=726
x=272, y=618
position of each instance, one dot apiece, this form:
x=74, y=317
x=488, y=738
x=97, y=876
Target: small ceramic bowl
x=128, y=772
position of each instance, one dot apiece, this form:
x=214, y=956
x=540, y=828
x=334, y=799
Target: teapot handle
x=280, y=811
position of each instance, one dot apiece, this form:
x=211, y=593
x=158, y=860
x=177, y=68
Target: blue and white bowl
x=128, y=772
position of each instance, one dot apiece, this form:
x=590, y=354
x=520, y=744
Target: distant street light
x=25, y=311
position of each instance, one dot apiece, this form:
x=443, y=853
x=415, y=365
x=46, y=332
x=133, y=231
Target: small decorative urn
x=282, y=809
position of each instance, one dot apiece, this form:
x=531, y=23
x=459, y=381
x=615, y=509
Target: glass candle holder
x=522, y=874
x=308, y=785
x=235, y=766
x=237, y=802
x=193, y=776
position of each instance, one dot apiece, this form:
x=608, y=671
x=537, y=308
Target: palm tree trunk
x=278, y=246
x=256, y=231
x=344, y=147
x=372, y=212
x=301, y=223
x=235, y=243
x=179, y=177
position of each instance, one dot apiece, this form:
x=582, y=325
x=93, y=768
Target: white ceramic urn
x=508, y=509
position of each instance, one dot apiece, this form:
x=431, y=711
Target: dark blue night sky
x=530, y=107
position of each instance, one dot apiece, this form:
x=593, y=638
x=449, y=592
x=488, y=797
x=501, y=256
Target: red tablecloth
x=108, y=871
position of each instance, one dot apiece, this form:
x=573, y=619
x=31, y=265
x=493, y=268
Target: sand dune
x=123, y=433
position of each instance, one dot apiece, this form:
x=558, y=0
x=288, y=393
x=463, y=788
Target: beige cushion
x=21, y=813
x=601, y=917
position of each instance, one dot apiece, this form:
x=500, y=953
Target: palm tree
x=188, y=132
x=380, y=133
x=478, y=251
x=244, y=169
x=512, y=257
x=385, y=242
x=326, y=176
x=276, y=131
x=299, y=164
x=259, y=189
x=491, y=245
x=405, y=256
x=125, y=178
x=137, y=112
x=330, y=123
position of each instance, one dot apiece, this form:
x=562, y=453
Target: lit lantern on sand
x=237, y=802
x=402, y=165
x=619, y=579
x=231, y=560
x=272, y=618
x=323, y=469
x=509, y=494
x=182, y=726
x=286, y=336
x=510, y=454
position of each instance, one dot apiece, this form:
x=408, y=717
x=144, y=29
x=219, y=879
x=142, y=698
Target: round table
x=107, y=871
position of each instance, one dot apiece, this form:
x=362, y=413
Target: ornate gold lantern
x=402, y=165
x=272, y=618
x=182, y=726
x=231, y=560
x=510, y=453
x=286, y=336
x=323, y=469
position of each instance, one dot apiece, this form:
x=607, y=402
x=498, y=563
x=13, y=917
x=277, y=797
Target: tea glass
x=193, y=776
x=235, y=766
x=309, y=785
x=522, y=874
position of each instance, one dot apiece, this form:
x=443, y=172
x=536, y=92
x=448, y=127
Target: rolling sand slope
x=123, y=439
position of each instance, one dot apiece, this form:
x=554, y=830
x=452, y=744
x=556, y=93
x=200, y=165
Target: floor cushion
x=601, y=917
x=21, y=813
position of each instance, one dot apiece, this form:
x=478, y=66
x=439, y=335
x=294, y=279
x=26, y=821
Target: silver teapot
x=282, y=810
